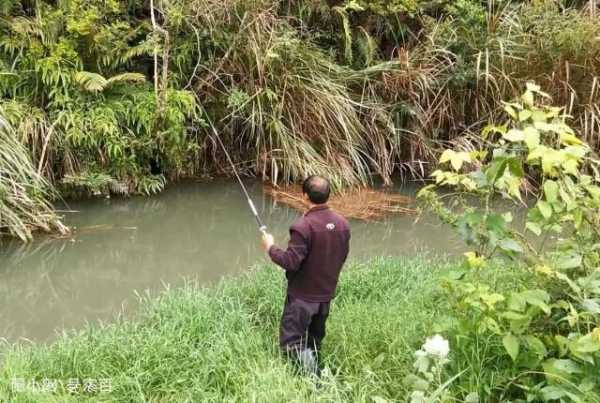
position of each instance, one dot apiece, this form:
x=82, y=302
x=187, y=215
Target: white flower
x=437, y=347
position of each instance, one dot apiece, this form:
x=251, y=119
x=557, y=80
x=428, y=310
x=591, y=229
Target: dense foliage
x=118, y=96
x=548, y=332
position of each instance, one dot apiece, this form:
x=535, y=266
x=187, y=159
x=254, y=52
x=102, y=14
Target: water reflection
x=195, y=230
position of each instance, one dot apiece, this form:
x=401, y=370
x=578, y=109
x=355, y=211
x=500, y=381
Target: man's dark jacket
x=318, y=247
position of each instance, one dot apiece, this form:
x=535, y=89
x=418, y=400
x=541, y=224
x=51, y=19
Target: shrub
x=549, y=333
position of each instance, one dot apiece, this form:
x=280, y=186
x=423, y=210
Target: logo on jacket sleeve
x=330, y=226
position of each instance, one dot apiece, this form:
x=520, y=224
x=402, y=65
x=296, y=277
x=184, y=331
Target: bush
x=546, y=335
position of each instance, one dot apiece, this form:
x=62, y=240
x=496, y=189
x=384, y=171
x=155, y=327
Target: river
x=193, y=230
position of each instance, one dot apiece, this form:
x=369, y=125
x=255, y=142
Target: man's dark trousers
x=302, y=325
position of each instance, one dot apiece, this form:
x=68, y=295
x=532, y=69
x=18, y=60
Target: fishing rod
x=261, y=226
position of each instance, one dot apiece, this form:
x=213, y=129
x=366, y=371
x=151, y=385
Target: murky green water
x=121, y=246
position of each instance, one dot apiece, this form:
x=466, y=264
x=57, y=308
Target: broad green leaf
x=515, y=167
x=511, y=344
x=587, y=385
x=569, y=139
x=550, y=159
x=538, y=116
x=568, y=261
x=537, y=346
x=469, y=184
x=567, y=199
x=591, y=305
x=533, y=227
x=553, y=111
x=474, y=261
x=575, y=152
x=527, y=98
x=513, y=316
x=584, y=344
x=353, y=5
x=490, y=324
x=591, y=283
x=594, y=191
x=544, y=269
x=495, y=170
x=516, y=302
x=495, y=223
x=510, y=245
x=456, y=158
x=537, y=152
x=491, y=299
x=446, y=156
x=511, y=111
x=544, y=208
x=514, y=135
x=553, y=393
x=427, y=190
x=571, y=167
x=493, y=129
x=531, y=137
x=518, y=321
x=566, y=366
x=524, y=115
x=551, y=190
x=538, y=298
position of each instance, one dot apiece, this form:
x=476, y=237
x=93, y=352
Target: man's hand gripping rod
x=261, y=227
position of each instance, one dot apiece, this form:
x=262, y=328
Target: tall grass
x=289, y=106
x=24, y=194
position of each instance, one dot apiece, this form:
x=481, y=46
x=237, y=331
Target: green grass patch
x=221, y=343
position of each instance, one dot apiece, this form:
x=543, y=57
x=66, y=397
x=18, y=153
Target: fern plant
x=94, y=82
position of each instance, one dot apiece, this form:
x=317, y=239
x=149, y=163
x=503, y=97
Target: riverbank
x=220, y=343
x=346, y=89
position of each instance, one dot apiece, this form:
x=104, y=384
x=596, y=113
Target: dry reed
x=364, y=204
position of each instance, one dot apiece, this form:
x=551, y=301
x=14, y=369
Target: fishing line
x=261, y=226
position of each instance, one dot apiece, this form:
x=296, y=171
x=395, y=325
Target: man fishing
x=317, y=249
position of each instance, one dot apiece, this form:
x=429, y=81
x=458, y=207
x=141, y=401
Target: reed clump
x=24, y=194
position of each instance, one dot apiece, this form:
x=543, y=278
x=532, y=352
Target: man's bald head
x=317, y=189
